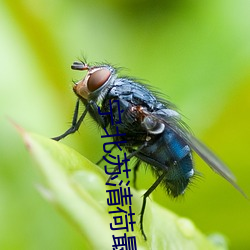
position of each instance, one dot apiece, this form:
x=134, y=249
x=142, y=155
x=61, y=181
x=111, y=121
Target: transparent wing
x=175, y=124
x=207, y=155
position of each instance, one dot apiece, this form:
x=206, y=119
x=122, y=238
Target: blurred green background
x=196, y=53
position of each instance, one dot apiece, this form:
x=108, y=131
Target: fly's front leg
x=99, y=118
x=75, y=123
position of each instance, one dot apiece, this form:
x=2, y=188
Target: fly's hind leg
x=135, y=169
x=149, y=191
x=144, y=201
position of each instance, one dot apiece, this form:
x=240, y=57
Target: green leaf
x=77, y=188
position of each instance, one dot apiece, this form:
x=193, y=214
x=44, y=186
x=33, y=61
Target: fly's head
x=96, y=79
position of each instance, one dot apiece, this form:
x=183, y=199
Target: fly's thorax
x=94, y=85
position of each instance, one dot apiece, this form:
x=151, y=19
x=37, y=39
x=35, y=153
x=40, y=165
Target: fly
x=155, y=133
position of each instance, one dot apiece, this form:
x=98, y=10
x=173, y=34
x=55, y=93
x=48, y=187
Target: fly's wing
x=212, y=160
x=208, y=156
x=175, y=124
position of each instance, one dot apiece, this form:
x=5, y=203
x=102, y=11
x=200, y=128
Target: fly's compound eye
x=97, y=79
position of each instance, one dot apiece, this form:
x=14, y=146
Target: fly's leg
x=135, y=169
x=145, y=196
x=149, y=191
x=129, y=157
x=105, y=155
x=99, y=118
x=77, y=123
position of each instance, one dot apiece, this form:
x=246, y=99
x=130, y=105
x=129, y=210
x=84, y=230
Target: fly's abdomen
x=169, y=154
x=178, y=176
x=180, y=166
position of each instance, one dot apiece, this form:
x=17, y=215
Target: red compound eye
x=97, y=79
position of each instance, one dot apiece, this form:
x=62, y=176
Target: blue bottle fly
x=155, y=133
